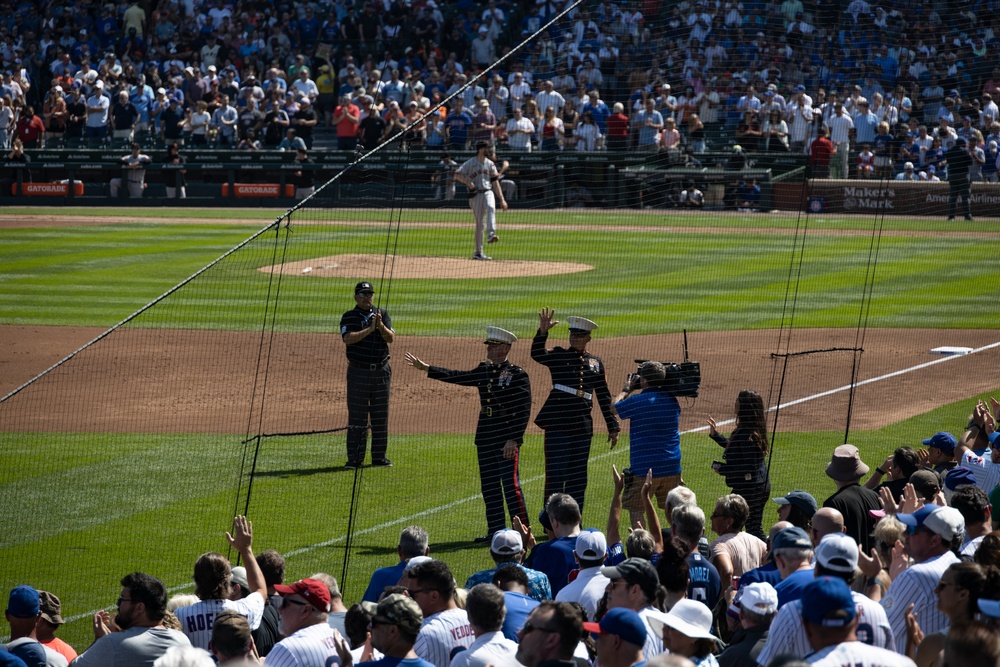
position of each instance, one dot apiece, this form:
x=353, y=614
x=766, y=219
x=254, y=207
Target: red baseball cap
x=313, y=591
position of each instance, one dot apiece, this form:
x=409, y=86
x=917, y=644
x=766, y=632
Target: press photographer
x=654, y=443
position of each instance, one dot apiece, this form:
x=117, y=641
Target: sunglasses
x=288, y=601
x=366, y=293
x=529, y=628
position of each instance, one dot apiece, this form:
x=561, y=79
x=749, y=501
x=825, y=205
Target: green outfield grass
x=95, y=276
x=82, y=509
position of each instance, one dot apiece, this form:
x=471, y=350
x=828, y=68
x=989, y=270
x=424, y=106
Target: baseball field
x=228, y=394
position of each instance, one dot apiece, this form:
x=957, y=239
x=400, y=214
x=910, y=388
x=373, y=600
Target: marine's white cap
x=580, y=324
x=498, y=335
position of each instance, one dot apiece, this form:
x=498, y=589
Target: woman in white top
x=588, y=135
x=200, y=121
x=775, y=131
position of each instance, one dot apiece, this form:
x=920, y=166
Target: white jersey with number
x=915, y=585
x=196, y=620
x=857, y=654
x=788, y=634
x=441, y=634
x=312, y=646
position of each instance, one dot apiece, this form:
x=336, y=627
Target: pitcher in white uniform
x=481, y=176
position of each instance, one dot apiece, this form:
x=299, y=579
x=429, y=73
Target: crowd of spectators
x=649, y=75
x=892, y=569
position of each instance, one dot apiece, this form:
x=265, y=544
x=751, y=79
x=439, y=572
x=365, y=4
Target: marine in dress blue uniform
x=505, y=407
x=577, y=379
x=367, y=333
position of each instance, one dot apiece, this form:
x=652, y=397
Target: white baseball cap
x=837, y=552
x=759, y=598
x=506, y=542
x=591, y=545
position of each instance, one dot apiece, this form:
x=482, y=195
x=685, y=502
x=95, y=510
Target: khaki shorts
x=632, y=494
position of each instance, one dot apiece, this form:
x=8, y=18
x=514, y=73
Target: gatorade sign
x=245, y=190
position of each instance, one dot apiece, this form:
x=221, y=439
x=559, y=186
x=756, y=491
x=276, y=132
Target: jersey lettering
x=200, y=622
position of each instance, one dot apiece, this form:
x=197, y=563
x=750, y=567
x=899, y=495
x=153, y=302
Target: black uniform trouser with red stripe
x=500, y=479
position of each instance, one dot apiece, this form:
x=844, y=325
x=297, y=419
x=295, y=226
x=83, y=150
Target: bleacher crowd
x=890, y=84
x=898, y=566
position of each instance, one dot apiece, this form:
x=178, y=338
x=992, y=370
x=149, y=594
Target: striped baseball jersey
x=441, y=634
x=312, y=646
x=986, y=472
x=654, y=640
x=787, y=635
x=857, y=654
x=916, y=585
x=480, y=173
x=197, y=619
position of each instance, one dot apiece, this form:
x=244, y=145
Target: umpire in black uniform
x=367, y=333
x=959, y=187
x=577, y=378
x=505, y=406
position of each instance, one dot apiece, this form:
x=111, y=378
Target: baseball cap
x=623, y=622
x=759, y=598
x=926, y=483
x=800, y=499
x=591, y=545
x=800, y=88
x=239, y=577
x=543, y=518
x=51, y=608
x=397, y=609
x=957, y=477
x=415, y=561
x=907, y=166
x=827, y=601
x=635, y=571
x=837, y=552
x=506, y=542
x=942, y=440
x=791, y=538
x=313, y=591
x=989, y=607
x=23, y=602
x=945, y=521
x=363, y=287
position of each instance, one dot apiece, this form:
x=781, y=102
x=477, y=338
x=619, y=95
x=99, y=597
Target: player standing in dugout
x=577, y=376
x=505, y=407
x=367, y=333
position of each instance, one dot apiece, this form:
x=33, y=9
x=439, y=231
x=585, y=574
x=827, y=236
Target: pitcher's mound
x=408, y=266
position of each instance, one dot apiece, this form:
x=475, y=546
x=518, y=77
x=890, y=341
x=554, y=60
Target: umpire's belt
x=368, y=367
x=488, y=411
x=576, y=392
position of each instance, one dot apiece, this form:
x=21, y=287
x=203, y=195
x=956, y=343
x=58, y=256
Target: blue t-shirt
x=458, y=127
x=556, y=559
x=704, y=582
x=655, y=442
x=519, y=606
x=382, y=577
x=398, y=662
x=790, y=588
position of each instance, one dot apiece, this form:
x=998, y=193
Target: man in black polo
x=959, y=164
x=367, y=333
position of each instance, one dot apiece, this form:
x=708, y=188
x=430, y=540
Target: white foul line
x=456, y=503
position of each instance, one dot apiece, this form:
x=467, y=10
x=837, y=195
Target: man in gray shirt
x=141, y=637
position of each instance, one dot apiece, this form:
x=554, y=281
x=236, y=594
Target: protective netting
x=228, y=395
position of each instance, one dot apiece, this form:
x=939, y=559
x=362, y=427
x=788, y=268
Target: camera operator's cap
x=837, y=552
x=313, y=591
x=580, y=324
x=959, y=477
x=827, y=602
x=652, y=371
x=846, y=464
x=23, y=602
x=50, y=607
x=397, y=609
x=363, y=287
x=591, y=545
x=635, y=571
x=942, y=440
x=239, y=577
x=791, y=538
x=800, y=499
x=945, y=521
x=759, y=598
x=623, y=622
x=506, y=542
x=498, y=336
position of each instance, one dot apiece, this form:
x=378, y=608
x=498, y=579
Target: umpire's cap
x=363, y=287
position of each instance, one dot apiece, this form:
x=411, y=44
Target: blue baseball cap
x=23, y=602
x=942, y=440
x=623, y=622
x=543, y=518
x=827, y=601
x=800, y=499
x=957, y=477
x=791, y=538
